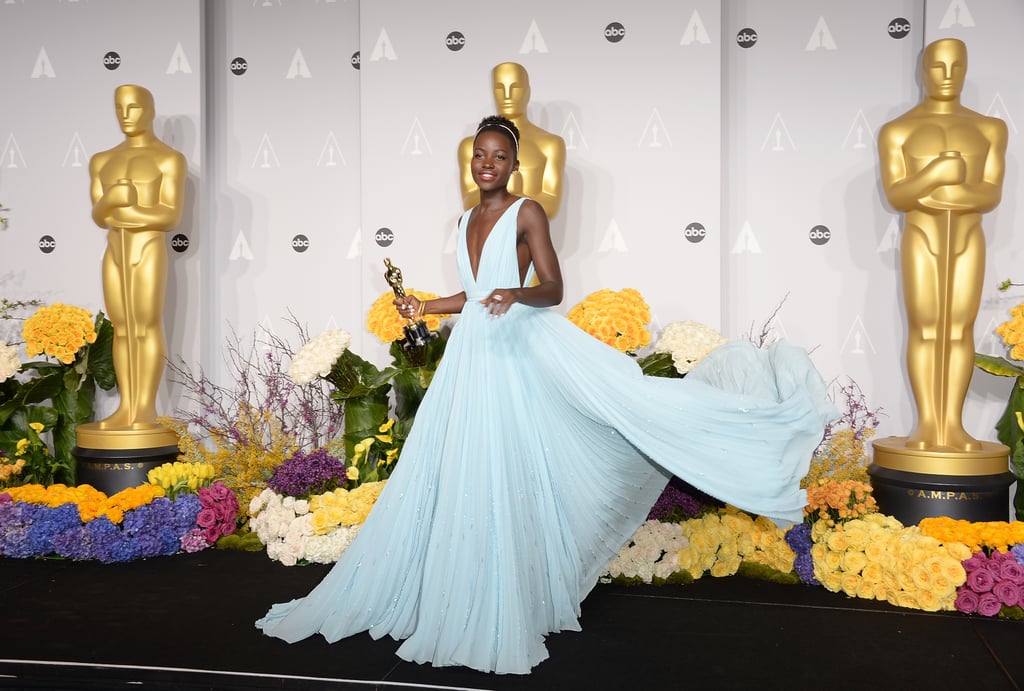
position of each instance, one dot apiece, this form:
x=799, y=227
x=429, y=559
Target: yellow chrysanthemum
x=58, y=331
x=615, y=318
x=384, y=321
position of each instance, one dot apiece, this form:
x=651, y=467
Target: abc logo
x=179, y=243
x=695, y=232
x=384, y=237
x=746, y=38
x=819, y=235
x=300, y=243
x=47, y=244
x=239, y=66
x=355, y=60
x=455, y=41
x=614, y=32
x=111, y=60
x=899, y=28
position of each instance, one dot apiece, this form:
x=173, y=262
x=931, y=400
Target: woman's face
x=493, y=160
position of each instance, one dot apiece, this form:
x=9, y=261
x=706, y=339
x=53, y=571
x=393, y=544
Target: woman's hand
x=499, y=301
x=408, y=307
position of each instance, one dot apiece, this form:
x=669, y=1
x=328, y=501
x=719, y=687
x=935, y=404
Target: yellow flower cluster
x=9, y=468
x=91, y=502
x=992, y=535
x=58, y=330
x=615, y=318
x=844, y=457
x=720, y=542
x=386, y=323
x=833, y=501
x=1012, y=332
x=876, y=558
x=179, y=475
x=245, y=466
x=343, y=507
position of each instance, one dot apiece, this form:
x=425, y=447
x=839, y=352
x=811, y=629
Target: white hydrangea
x=9, y=362
x=318, y=355
x=688, y=342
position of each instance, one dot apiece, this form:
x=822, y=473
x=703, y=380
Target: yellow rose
x=832, y=582
x=853, y=561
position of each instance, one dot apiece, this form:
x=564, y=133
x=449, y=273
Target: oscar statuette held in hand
x=417, y=335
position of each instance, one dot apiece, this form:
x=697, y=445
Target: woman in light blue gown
x=538, y=451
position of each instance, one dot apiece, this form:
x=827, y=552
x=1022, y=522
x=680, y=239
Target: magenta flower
x=980, y=580
x=1007, y=592
x=966, y=601
x=989, y=605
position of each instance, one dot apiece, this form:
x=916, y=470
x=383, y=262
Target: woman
x=530, y=463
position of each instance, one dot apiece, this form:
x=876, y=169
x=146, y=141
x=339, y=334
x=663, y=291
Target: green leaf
x=659, y=365
x=1017, y=461
x=101, y=357
x=999, y=366
x=1007, y=430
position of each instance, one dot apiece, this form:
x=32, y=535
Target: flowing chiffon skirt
x=536, y=454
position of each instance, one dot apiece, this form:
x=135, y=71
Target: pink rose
x=992, y=566
x=989, y=605
x=976, y=562
x=211, y=534
x=205, y=498
x=966, y=601
x=1007, y=592
x=207, y=518
x=220, y=491
x=1011, y=571
x=980, y=581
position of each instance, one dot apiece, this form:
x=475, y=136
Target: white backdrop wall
x=310, y=125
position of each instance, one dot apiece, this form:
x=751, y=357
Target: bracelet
x=423, y=306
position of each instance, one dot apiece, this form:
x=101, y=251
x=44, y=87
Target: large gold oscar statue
x=942, y=165
x=137, y=195
x=541, y=153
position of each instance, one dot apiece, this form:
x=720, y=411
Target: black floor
x=186, y=622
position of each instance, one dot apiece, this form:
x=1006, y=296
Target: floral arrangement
x=58, y=331
x=317, y=356
x=217, y=514
x=177, y=477
x=384, y=321
x=303, y=475
x=835, y=501
x=83, y=523
x=688, y=342
x=618, y=318
x=43, y=402
x=317, y=530
x=9, y=361
x=842, y=453
x=1010, y=427
x=876, y=557
x=248, y=428
x=651, y=555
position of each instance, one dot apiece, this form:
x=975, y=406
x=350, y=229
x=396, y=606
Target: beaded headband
x=504, y=127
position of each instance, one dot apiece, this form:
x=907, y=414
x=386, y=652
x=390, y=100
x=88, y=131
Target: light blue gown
x=537, y=452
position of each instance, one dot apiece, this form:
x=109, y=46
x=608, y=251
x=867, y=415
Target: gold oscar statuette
x=417, y=334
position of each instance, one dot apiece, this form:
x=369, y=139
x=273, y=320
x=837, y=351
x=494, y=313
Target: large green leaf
x=100, y=354
x=659, y=365
x=1018, y=470
x=16, y=427
x=999, y=366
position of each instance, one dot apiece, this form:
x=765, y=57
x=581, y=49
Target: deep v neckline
x=483, y=246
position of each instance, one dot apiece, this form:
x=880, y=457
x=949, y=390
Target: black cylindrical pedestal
x=112, y=470
x=911, y=483
x=909, y=497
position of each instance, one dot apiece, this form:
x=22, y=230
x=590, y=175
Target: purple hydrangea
x=303, y=475
x=674, y=505
x=799, y=540
x=1018, y=553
